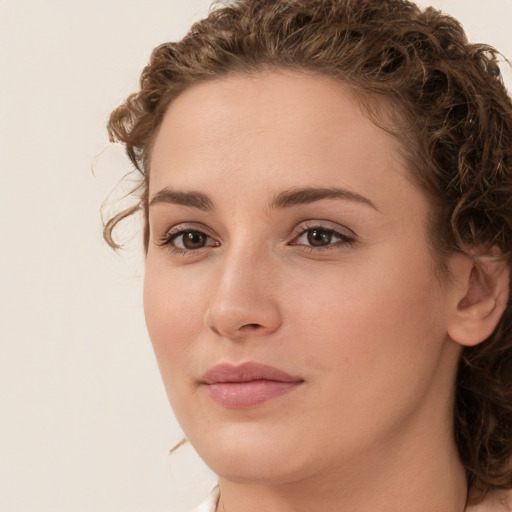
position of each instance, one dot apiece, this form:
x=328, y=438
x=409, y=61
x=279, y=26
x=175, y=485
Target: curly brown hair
x=451, y=112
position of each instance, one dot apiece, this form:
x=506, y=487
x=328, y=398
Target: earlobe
x=481, y=289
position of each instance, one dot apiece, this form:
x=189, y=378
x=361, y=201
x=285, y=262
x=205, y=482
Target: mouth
x=247, y=385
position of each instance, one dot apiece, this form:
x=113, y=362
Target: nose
x=244, y=301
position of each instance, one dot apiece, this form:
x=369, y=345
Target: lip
x=247, y=385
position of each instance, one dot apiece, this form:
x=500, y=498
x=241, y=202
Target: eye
x=318, y=237
x=322, y=237
x=190, y=240
x=185, y=240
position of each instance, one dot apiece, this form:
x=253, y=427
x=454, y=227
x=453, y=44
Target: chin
x=250, y=454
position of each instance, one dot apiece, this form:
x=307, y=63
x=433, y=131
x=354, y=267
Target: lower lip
x=242, y=395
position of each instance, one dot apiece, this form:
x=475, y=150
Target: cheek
x=173, y=306
x=372, y=346
x=374, y=320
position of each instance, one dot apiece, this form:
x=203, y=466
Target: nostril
x=251, y=326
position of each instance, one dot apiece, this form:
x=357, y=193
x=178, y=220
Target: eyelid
x=186, y=226
x=324, y=224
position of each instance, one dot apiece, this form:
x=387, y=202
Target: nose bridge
x=244, y=299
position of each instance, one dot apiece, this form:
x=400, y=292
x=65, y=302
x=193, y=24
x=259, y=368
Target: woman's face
x=284, y=233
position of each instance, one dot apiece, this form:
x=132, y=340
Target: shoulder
x=210, y=503
x=495, y=501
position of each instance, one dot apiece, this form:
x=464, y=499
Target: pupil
x=319, y=237
x=193, y=240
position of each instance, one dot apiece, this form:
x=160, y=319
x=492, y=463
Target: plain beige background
x=84, y=422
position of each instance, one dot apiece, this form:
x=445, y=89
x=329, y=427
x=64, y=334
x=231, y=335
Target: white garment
x=210, y=503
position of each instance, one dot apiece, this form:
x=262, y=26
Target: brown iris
x=319, y=237
x=194, y=240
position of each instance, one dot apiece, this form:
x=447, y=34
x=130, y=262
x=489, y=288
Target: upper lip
x=246, y=372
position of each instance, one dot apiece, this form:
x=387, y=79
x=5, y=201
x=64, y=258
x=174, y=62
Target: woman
x=326, y=188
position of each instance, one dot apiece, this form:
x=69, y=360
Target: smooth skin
x=336, y=284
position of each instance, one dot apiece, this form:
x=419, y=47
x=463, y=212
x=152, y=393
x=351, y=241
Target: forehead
x=271, y=131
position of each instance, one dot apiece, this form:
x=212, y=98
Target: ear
x=480, y=286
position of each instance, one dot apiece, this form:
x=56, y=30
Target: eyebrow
x=301, y=196
x=191, y=199
x=285, y=199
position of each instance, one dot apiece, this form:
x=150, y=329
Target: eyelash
x=344, y=239
x=168, y=238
